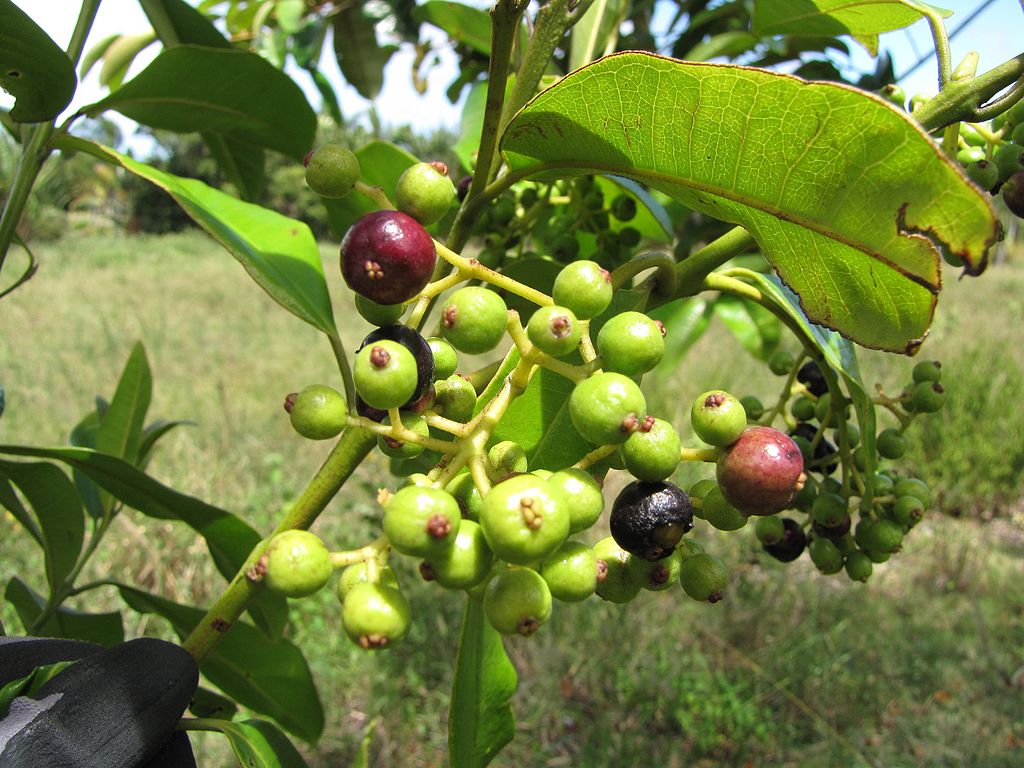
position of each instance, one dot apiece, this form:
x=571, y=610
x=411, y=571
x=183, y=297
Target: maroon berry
x=792, y=543
x=760, y=473
x=387, y=257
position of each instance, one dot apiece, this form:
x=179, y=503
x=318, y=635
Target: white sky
x=998, y=34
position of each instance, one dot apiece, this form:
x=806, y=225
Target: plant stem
x=691, y=271
x=473, y=269
x=351, y=449
x=664, y=280
x=963, y=100
x=338, y=347
x=941, y=39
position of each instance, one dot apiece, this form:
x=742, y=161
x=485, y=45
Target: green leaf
x=470, y=125
x=243, y=163
x=258, y=744
x=120, y=431
x=363, y=756
x=185, y=23
x=207, y=703
x=757, y=330
x=651, y=221
x=361, y=60
x=54, y=500
x=229, y=538
x=84, y=436
x=464, y=24
x=279, y=253
x=380, y=164
x=94, y=54
x=102, y=628
x=152, y=433
x=33, y=68
x=685, y=322
x=194, y=88
x=862, y=19
x=30, y=683
x=847, y=198
x=271, y=678
x=9, y=499
x=480, y=720
x=120, y=54
x=592, y=32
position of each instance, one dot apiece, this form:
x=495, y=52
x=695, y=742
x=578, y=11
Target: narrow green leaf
x=243, y=164
x=30, y=683
x=848, y=198
x=120, y=431
x=270, y=678
x=380, y=164
x=279, y=253
x=470, y=125
x=591, y=33
x=258, y=744
x=33, y=68
x=685, y=322
x=757, y=330
x=359, y=56
x=363, y=756
x=196, y=88
x=120, y=54
x=729, y=44
x=229, y=539
x=183, y=21
x=207, y=703
x=102, y=628
x=464, y=24
x=152, y=433
x=57, y=508
x=480, y=720
x=862, y=19
x=10, y=501
x=94, y=54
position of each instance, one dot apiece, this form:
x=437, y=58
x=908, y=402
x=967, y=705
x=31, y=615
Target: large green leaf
x=380, y=165
x=480, y=720
x=119, y=56
x=102, y=628
x=757, y=330
x=279, y=253
x=465, y=24
x=185, y=23
x=862, y=19
x=10, y=501
x=591, y=33
x=847, y=197
x=269, y=677
x=235, y=93
x=33, y=68
x=258, y=744
x=361, y=60
x=120, y=430
x=58, y=510
x=229, y=538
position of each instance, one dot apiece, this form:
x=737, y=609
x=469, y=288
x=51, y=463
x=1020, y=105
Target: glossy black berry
x=810, y=376
x=649, y=519
x=417, y=345
x=387, y=257
x=792, y=543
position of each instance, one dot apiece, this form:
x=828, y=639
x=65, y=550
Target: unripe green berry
x=332, y=171
x=781, y=362
x=826, y=555
x=891, y=444
x=582, y=495
x=720, y=513
x=907, y=510
x=397, y=449
x=378, y=314
x=704, y=577
x=879, y=536
x=571, y=572
x=524, y=519
x=473, y=320
x=858, y=566
x=1009, y=159
x=554, y=330
x=375, y=616
x=929, y=397
x=446, y=359
x=359, y=574
x=769, y=530
x=659, y=575
x=718, y=418
x=687, y=548
x=970, y=155
x=753, y=406
x=630, y=343
x=505, y=459
x=421, y=522
x=467, y=495
x=928, y=370
x=607, y=408
x=425, y=192
x=617, y=582
x=296, y=564
x=454, y=398
x=385, y=374
x=983, y=173
x=464, y=564
x=652, y=452
x=698, y=491
x=517, y=601
x=583, y=287
x=894, y=94
x=912, y=486
x=830, y=509
x=803, y=409
x=318, y=412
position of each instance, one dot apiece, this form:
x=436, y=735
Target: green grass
x=793, y=669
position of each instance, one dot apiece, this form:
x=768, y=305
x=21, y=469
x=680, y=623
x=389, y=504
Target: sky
x=997, y=33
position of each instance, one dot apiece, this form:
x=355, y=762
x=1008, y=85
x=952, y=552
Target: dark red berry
x=833, y=532
x=760, y=473
x=387, y=257
x=420, y=349
x=792, y=543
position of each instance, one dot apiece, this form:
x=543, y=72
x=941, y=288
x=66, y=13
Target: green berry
x=894, y=94
x=969, y=155
x=880, y=536
x=397, y=449
x=720, y=513
x=332, y=171
x=825, y=555
x=858, y=566
x=565, y=247
x=928, y=370
x=659, y=575
x=852, y=434
x=454, y=398
x=359, y=574
x=554, y=330
x=571, y=572
x=803, y=409
x=464, y=564
x=583, y=287
x=473, y=320
x=629, y=237
x=425, y=192
x=687, y=548
x=698, y=491
x=385, y=374
x=517, y=601
x=830, y=510
x=421, y=522
x=781, y=362
x=881, y=484
x=505, y=459
x=718, y=418
x=823, y=408
x=983, y=173
x=617, y=582
x=623, y=208
x=769, y=530
x=652, y=452
x=912, y=486
x=891, y=444
x=296, y=563
x=704, y=577
x=607, y=408
x=1017, y=137
x=929, y=396
x=378, y=314
x=466, y=495
x=630, y=343
x=318, y=412
x=907, y=511
x=1009, y=159
x=753, y=407
x=1015, y=114
x=446, y=359
x=582, y=496
x=524, y=518
x=375, y=616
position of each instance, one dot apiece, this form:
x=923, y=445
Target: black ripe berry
x=810, y=376
x=792, y=543
x=387, y=257
x=420, y=349
x=649, y=519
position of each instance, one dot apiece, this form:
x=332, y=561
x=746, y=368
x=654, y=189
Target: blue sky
x=997, y=34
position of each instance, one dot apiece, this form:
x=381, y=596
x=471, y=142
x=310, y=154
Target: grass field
x=921, y=667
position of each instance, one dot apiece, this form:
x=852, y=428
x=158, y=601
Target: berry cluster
x=482, y=518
